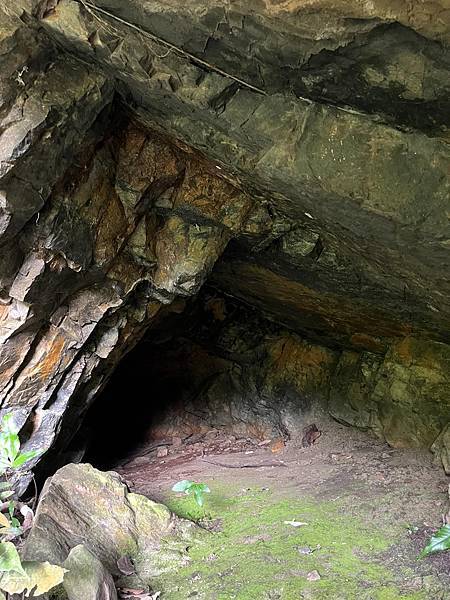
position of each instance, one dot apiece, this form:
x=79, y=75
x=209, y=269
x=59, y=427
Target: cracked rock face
x=294, y=153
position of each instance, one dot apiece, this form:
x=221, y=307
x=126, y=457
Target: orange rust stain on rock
x=368, y=342
x=274, y=293
x=404, y=350
x=288, y=351
x=303, y=365
x=423, y=353
x=51, y=360
x=217, y=307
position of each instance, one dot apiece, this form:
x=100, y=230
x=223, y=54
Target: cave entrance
x=215, y=377
x=218, y=394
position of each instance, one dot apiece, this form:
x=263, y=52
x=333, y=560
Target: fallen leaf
x=125, y=566
x=28, y=517
x=39, y=577
x=4, y=521
x=277, y=446
x=310, y=434
x=313, y=576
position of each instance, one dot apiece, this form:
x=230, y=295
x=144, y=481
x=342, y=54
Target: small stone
x=162, y=452
x=87, y=578
x=277, y=446
x=313, y=576
x=305, y=550
x=211, y=557
x=177, y=442
x=212, y=434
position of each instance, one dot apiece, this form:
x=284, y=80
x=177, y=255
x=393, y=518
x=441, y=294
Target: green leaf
x=201, y=487
x=25, y=457
x=5, y=485
x=182, y=486
x=15, y=522
x=440, y=541
x=7, y=424
x=39, y=577
x=9, y=446
x=10, y=559
x=6, y=495
x=198, y=497
x=11, y=508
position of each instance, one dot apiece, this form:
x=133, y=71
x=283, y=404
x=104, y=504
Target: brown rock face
x=294, y=153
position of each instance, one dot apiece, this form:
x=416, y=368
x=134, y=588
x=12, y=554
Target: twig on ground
x=245, y=465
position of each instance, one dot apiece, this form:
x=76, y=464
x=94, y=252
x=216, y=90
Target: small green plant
x=11, y=459
x=17, y=576
x=439, y=542
x=189, y=487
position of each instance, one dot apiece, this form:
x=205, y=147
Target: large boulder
x=81, y=505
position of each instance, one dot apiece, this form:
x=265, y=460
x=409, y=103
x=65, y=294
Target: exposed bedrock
x=293, y=154
x=374, y=197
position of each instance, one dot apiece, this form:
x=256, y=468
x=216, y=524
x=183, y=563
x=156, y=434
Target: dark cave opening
x=215, y=369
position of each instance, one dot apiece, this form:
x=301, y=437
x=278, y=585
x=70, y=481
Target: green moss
x=256, y=555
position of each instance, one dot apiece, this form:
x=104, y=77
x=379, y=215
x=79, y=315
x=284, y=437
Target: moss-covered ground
x=258, y=554
x=364, y=514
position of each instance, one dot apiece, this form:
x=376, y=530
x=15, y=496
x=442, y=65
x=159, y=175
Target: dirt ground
x=344, y=518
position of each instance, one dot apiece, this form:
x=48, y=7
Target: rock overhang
x=329, y=215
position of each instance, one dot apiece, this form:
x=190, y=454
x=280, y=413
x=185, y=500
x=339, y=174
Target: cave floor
x=365, y=510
